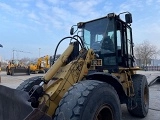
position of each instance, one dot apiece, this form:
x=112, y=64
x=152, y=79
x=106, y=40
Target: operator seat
x=107, y=44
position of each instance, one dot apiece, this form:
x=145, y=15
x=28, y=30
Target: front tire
x=141, y=90
x=89, y=100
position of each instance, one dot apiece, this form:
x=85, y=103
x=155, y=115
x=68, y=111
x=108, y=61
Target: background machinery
x=41, y=66
x=89, y=81
x=16, y=66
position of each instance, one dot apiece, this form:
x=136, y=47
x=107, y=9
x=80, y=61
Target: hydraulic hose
x=81, y=44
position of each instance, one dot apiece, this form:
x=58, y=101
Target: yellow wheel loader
x=17, y=67
x=42, y=65
x=89, y=81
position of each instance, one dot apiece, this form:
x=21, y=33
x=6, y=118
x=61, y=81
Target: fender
x=110, y=79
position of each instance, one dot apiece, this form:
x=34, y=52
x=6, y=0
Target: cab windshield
x=99, y=35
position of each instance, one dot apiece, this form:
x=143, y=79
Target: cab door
x=129, y=46
x=124, y=44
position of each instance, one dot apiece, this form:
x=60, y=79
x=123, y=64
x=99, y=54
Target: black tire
x=141, y=90
x=88, y=100
x=29, y=83
x=29, y=72
x=7, y=71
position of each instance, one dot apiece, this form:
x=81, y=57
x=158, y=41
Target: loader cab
x=110, y=38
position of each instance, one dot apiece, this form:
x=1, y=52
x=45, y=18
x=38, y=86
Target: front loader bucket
x=14, y=104
x=20, y=70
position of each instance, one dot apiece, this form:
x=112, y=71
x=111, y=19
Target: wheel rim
x=146, y=96
x=104, y=113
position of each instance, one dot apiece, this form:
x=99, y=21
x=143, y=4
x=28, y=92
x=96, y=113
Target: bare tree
x=144, y=52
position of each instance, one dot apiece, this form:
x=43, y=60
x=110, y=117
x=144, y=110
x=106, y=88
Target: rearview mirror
x=72, y=30
x=128, y=18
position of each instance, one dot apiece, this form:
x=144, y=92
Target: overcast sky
x=27, y=25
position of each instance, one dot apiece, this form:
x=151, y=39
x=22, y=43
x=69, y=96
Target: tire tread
x=138, y=80
x=83, y=89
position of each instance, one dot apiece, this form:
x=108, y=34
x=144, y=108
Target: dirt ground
x=154, y=107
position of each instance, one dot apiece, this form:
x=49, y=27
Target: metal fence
x=151, y=68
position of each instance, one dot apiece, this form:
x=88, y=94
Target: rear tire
x=29, y=83
x=141, y=89
x=89, y=100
